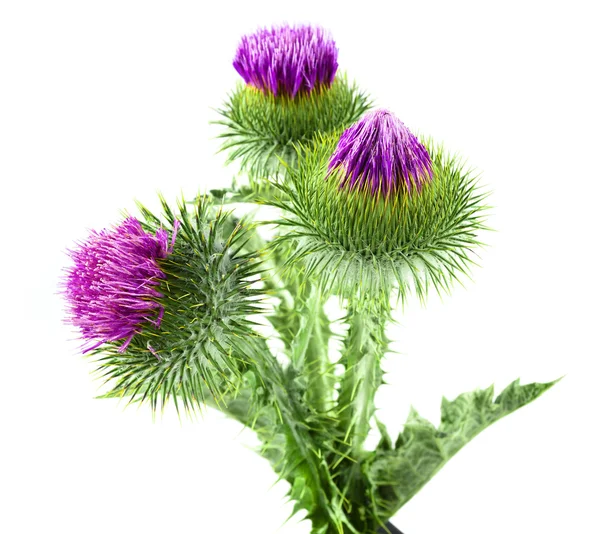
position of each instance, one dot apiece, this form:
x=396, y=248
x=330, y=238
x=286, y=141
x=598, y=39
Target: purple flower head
x=379, y=153
x=111, y=289
x=287, y=59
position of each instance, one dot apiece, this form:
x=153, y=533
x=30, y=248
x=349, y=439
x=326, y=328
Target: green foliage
x=357, y=243
x=421, y=450
x=296, y=439
x=204, y=343
x=261, y=129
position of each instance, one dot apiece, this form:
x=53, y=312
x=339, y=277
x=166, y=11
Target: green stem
x=273, y=282
x=300, y=445
x=310, y=351
x=270, y=276
x=364, y=348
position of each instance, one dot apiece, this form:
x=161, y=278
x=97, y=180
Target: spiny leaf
x=422, y=450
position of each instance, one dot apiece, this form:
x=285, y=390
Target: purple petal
x=380, y=154
x=287, y=59
x=111, y=287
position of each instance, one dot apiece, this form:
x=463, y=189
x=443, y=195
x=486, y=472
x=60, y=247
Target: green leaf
x=303, y=495
x=422, y=450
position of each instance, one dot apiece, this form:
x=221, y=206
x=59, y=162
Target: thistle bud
x=292, y=93
x=378, y=210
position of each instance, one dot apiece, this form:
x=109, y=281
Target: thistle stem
x=310, y=351
x=274, y=283
x=270, y=276
x=299, y=441
x=364, y=348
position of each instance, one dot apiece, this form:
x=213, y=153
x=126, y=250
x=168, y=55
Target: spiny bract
x=260, y=130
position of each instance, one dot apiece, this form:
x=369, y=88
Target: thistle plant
x=369, y=213
x=292, y=92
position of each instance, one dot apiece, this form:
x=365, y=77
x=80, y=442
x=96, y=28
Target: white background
x=104, y=102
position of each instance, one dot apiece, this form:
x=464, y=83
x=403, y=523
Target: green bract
x=260, y=128
x=358, y=243
x=205, y=341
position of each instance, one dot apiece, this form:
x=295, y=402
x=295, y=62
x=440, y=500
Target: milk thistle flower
x=292, y=94
x=376, y=209
x=111, y=289
x=287, y=59
x=167, y=314
x=379, y=153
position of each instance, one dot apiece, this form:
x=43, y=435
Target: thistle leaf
x=422, y=450
x=302, y=494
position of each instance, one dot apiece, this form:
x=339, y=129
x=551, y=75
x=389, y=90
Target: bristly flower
x=200, y=288
x=111, y=288
x=380, y=154
x=370, y=235
x=287, y=59
x=292, y=94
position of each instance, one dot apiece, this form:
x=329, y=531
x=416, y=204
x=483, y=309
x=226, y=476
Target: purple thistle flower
x=379, y=153
x=111, y=289
x=287, y=59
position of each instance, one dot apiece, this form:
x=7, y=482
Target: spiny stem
x=298, y=434
x=364, y=347
x=273, y=282
x=270, y=275
x=310, y=351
